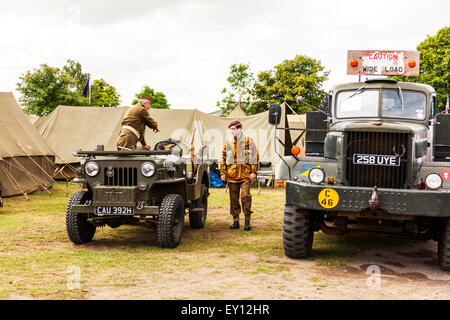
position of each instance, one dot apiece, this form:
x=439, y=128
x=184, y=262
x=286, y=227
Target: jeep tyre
x=171, y=221
x=79, y=230
x=444, y=246
x=197, y=219
x=298, y=232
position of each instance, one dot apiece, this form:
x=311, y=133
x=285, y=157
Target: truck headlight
x=148, y=169
x=316, y=175
x=91, y=168
x=433, y=181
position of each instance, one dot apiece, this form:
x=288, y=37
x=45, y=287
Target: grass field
x=37, y=260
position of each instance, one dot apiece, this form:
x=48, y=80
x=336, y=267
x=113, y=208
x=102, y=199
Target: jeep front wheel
x=197, y=215
x=171, y=221
x=298, y=232
x=79, y=230
x=444, y=246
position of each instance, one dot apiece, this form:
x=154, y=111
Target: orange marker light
x=354, y=63
x=295, y=150
x=412, y=63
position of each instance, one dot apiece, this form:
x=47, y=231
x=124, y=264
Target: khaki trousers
x=127, y=139
x=240, y=190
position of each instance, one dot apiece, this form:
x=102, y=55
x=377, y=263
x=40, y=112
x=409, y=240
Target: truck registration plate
x=376, y=160
x=114, y=211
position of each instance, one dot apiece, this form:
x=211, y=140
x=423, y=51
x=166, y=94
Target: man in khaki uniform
x=238, y=167
x=134, y=123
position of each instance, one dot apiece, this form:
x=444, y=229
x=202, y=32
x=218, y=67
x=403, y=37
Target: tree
x=75, y=72
x=299, y=76
x=159, y=98
x=435, y=65
x=103, y=94
x=45, y=88
x=240, y=92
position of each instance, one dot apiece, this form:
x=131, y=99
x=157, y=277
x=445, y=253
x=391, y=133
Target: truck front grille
x=121, y=177
x=377, y=143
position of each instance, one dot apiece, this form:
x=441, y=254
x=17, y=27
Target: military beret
x=234, y=123
x=147, y=96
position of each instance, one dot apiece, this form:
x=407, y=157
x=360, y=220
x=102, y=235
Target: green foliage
x=240, y=92
x=45, y=88
x=159, y=98
x=435, y=65
x=103, y=94
x=74, y=70
x=299, y=76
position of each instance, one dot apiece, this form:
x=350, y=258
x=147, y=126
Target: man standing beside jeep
x=238, y=167
x=134, y=123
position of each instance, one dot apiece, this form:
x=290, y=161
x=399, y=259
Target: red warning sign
x=445, y=175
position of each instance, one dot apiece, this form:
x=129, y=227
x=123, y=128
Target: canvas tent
x=237, y=112
x=70, y=128
x=26, y=161
x=297, y=121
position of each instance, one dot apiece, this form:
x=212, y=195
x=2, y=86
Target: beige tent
x=72, y=128
x=26, y=161
x=297, y=121
x=237, y=113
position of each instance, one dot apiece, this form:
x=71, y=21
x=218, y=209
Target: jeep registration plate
x=376, y=160
x=114, y=211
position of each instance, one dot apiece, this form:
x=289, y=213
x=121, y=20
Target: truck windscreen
x=357, y=103
x=412, y=106
x=396, y=103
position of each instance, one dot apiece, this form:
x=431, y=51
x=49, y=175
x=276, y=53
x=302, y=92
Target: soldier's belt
x=132, y=130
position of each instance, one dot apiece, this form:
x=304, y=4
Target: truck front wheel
x=171, y=221
x=79, y=230
x=298, y=233
x=444, y=246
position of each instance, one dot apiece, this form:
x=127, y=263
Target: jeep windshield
x=395, y=103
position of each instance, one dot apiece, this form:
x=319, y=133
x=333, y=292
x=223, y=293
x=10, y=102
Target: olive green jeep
x=149, y=187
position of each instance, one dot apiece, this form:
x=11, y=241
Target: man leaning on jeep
x=134, y=123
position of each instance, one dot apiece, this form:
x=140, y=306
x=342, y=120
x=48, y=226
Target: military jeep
x=377, y=163
x=149, y=187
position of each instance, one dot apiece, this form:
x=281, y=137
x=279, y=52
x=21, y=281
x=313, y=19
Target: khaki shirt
x=137, y=117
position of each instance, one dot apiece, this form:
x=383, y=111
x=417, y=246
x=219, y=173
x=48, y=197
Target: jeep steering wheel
x=161, y=145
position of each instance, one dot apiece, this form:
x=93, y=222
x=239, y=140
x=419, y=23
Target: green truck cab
x=153, y=188
x=377, y=161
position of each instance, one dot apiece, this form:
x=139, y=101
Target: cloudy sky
x=185, y=48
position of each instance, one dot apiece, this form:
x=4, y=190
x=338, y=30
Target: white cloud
x=185, y=48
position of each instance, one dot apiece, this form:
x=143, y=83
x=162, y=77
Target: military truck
x=377, y=162
x=149, y=187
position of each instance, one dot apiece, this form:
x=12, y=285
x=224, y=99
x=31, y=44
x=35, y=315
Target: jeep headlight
x=316, y=175
x=433, y=181
x=148, y=169
x=91, y=168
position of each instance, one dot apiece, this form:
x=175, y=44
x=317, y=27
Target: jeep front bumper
x=355, y=199
x=106, y=196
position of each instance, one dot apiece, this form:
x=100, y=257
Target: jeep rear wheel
x=79, y=230
x=444, y=246
x=298, y=233
x=197, y=218
x=171, y=221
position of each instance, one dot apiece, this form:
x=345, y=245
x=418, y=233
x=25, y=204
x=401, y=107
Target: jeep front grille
x=377, y=143
x=121, y=177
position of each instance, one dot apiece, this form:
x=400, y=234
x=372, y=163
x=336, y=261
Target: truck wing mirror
x=274, y=114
